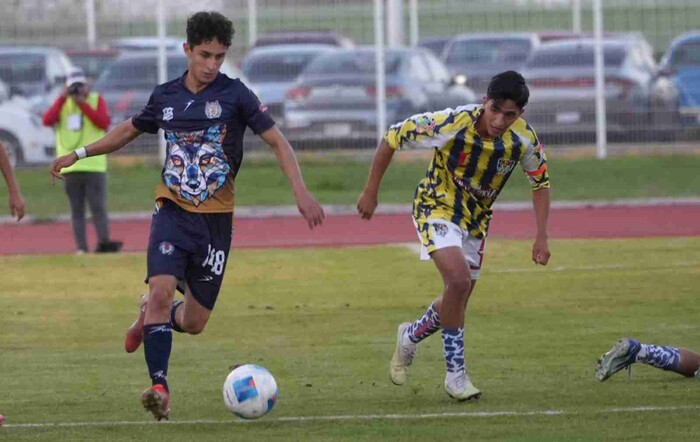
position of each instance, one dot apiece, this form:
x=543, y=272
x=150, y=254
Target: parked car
x=145, y=43
x=561, y=76
x=318, y=37
x=682, y=63
x=435, y=44
x=92, y=61
x=127, y=83
x=481, y=56
x=26, y=139
x=335, y=96
x=33, y=71
x=272, y=70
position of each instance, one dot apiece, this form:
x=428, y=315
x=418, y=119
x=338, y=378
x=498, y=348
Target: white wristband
x=81, y=153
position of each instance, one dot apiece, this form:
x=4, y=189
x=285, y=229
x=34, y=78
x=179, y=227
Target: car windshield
x=140, y=73
x=687, y=54
x=352, y=63
x=488, y=51
x=277, y=67
x=22, y=69
x=90, y=64
x=574, y=57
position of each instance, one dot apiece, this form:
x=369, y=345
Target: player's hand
x=367, y=204
x=540, y=251
x=310, y=209
x=16, y=205
x=60, y=163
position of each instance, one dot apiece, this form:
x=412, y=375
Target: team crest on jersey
x=212, y=109
x=166, y=248
x=424, y=124
x=167, y=113
x=504, y=166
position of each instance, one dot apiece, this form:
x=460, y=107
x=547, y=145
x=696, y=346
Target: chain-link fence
x=313, y=65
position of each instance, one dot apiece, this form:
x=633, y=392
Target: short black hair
x=205, y=26
x=509, y=85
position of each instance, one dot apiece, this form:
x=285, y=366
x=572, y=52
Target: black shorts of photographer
x=80, y=117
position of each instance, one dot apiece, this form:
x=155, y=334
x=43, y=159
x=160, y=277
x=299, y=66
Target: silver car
x=272, y=70
x=335, y=96
x=561, y=78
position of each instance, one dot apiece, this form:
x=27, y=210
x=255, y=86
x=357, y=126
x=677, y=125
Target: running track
x=344, y=230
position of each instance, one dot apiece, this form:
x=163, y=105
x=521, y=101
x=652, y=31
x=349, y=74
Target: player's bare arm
x=540, y=249
x=111, y=142
x=15, y=200
x=368, y=199
x=309, y=208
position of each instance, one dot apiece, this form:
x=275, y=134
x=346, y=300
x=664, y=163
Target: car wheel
x=12, y=147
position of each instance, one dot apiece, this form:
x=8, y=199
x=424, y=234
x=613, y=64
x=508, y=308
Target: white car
x=26, y=139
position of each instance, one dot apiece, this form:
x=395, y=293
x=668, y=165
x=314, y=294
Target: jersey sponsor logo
x=212, y=109
x=166, y=248
x=167, y=113
x=487, y=192
x=206, y=278
x=504, y=166
x=425, y=125
x=188, y=105
x=196, y=166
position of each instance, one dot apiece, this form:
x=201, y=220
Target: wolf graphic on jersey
x=196, y=166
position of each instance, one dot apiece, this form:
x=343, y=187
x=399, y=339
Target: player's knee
x=159, y=298
x=459, y=285
x=193, y=326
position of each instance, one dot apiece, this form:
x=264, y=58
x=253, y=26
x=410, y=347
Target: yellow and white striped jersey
x=467, y=171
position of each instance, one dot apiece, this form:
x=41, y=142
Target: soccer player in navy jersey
x=204, y=115
x=476, y=148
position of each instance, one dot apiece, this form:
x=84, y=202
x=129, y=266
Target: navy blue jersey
x=204, y=134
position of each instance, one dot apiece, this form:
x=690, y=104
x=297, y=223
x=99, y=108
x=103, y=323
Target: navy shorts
x=193, y=247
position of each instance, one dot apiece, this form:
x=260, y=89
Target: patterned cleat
x=403, y=356
x=621, y=356
x=134, y=335
x=157, y=400
x=460, y=387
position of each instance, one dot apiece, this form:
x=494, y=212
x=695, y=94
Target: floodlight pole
x=90, y=19
x=600, y=112
x=413, y=21
x=162, y=68
x=379, y=62
x=576, y=15
x=252, y=22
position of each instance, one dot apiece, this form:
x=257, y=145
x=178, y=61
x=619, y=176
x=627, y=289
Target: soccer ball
x=250, y=391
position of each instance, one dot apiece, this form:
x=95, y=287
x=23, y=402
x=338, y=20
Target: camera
x=74, y=89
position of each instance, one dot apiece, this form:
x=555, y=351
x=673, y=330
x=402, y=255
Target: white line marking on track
x=361, y=417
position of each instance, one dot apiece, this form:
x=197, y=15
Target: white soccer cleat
x=621, y=356
x=403, y=355
x=460, y=387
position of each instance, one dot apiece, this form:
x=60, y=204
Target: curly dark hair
x=205, y=26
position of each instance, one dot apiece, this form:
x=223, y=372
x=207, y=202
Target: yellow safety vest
x=70, y=138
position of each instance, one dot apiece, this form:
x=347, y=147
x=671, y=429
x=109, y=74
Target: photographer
x=80, y=117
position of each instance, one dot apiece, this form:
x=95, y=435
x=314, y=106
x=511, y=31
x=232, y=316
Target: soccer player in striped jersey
x=628, y=351
x=476, y=148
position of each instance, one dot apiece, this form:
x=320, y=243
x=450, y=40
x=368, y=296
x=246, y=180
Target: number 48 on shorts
x=216, y=259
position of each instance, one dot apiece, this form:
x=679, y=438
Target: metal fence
x=651, y=96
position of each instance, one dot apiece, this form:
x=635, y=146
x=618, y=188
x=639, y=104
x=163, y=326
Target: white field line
x=360, y=417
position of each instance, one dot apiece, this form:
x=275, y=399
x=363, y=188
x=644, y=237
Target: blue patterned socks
x=428, y=324
x=157, y=343
x=666, y=358
x=453, y=347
